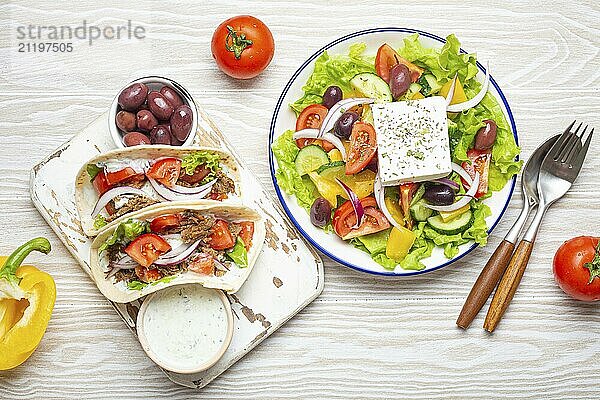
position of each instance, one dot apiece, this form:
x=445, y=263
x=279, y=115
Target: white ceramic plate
x=284, y=119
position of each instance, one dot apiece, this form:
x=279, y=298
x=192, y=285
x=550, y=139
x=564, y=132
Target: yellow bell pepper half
x=27, y=298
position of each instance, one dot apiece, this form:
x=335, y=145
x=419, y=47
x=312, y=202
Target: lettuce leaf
x=238, y=253
x=285, y=151
x=336, y=70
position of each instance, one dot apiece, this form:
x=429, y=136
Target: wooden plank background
x=365, y=337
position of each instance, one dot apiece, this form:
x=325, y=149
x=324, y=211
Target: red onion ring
x=356, y=204
x=111, y=194
x=169, y=194
x=192, y=190
x=478, y=97
x=176, y=259
x=380, y=199
x=448, y=182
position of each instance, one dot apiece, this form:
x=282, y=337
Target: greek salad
x=396, y=153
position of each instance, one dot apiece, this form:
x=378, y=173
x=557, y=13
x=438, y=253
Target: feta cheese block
x=412, y=140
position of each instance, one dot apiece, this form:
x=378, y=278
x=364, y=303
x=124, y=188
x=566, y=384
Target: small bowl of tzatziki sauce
x=185, y=328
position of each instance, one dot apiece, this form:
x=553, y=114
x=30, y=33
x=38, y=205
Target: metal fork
x=557, y=173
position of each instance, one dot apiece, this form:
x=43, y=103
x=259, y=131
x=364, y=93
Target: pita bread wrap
x=140, y=157
x=230, y=281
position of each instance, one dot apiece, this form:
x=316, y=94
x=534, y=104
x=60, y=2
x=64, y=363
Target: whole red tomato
x=577, y=268
x=242, y=46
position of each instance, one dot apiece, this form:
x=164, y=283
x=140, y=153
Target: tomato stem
x=238, y=42
x=594, y=265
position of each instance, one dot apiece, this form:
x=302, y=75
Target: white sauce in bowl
x=185, y=328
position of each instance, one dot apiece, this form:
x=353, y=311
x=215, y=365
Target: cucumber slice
x=418, y=194
x=420, y=212
x=430, y=85
x=371, y=85
x=310, y=158
x=333, y=164
x=457, y=225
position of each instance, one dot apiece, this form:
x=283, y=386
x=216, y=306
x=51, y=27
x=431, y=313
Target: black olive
x=332, y=95
x=343, y=126
x=320, y=212
x=399, y=80
x=439, y=195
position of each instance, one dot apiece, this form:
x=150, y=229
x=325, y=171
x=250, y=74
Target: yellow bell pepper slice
x=27, y=297
x=394, y=209
x=450, y=215
x=399, y=243
x=459, y=92
x=335, y=155
x=417, y=96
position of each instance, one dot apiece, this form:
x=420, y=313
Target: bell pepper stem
x=8, y=270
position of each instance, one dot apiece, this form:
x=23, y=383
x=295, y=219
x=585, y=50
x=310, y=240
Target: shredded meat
x=135, y=203
x=168, y=270
x=195, y=226
x=235, y=230
x=223, y=185
x=126, y=275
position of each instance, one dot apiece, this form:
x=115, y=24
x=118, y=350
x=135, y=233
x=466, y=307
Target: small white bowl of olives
x=153, y=110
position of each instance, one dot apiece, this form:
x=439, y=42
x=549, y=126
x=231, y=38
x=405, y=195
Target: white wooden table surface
x=365, y=337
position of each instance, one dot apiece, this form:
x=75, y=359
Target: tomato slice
x=387, y=57
x=202, y=264
x=344, y=218
x=165, y=170
x=480, y=162
x=147, y=275
x=246, y=233
x=220, y=237
x=311, y=117
x=407, y=192
x=101, y=183
x=126, y=174
x=164, y=223
x=146, y=248
x=363, y=145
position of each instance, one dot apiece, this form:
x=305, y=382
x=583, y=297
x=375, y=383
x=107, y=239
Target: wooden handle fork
x=508, y=285
x=485, y=283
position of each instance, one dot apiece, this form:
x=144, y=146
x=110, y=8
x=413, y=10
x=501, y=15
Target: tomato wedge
x=220, y=237
x=126, y=174
x=246, y=233
x=147, y=248
x=165, y=170
x=311, y=117
x=363, y=145
x=101, y=183
x=164, y=223
x=147, y=275
x=387, y=57
x=480, y=162
x=344, y=218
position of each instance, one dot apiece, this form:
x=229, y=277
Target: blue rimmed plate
x=284, y=119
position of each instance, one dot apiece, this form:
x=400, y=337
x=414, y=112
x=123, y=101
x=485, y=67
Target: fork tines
x=568, y=147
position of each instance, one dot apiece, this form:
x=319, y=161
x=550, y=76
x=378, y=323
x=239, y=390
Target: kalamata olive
x=175, y=141
x=332, y=95
x=439, y=195
x=399, y=80
x=126, y=121
x=160, y=107
x=160, y=135
x=320, y=212
x=181, y=122
x=486, y=136
x=172, y=96
x=133, y=96
x=146, y=121
x=135, y=139
x=343, y=126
